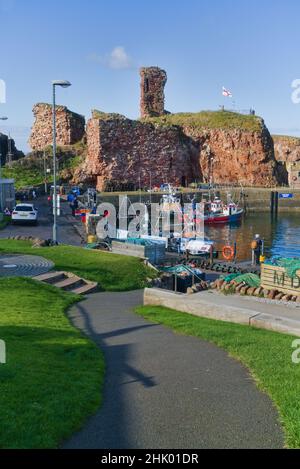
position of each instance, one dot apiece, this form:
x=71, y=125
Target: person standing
x=256, y=246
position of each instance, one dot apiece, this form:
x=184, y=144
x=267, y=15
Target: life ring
x=228, y=253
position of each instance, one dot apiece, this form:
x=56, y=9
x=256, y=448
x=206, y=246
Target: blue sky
x=250, y=47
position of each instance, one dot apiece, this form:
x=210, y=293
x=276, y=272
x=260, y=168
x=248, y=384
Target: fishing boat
x=218, y=212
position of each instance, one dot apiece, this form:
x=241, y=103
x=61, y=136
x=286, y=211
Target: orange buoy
x=228, y=253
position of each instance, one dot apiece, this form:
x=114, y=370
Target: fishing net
x=252, y=280
x=291, y=265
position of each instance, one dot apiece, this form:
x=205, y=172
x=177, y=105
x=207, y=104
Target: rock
x=287, y=297
x=266, y=293
x=239, y=287
x=294, y=298
x=298, y=299
x=287, y=149
x=279, y=296
x=16, y=154
x=219, y=283
x=272, y=294
x=190, y=291
x=244, y=290
x=251, y=291
x=258, y=291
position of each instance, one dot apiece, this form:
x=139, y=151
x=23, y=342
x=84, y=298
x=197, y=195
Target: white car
x=24, y=213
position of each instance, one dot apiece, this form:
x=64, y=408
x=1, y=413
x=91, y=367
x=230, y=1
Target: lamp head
x=62, y=83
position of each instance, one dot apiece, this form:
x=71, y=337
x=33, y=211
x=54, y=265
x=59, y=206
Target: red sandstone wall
x=70, y=127
x=122, y=151
x=153, y=81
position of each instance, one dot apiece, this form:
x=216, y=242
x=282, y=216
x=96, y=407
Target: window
x=146, y=85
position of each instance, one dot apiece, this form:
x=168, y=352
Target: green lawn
x=111, y=271
x=268, y=355
x=53, y=377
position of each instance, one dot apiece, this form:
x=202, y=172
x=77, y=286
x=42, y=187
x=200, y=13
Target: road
x=66, y=231
x=165, y=390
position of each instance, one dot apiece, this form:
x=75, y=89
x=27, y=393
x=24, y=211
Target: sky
x=249, y=46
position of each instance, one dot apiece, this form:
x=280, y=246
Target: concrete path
x=164, y=390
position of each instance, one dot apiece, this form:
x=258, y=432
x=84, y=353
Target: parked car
x=24, y=213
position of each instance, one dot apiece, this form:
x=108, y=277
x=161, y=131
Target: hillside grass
x=225, y=120
x=112, y=272
x=52, y=380
x=29, y=171
x=23, y=177
x=267, y=354
x=289, y=140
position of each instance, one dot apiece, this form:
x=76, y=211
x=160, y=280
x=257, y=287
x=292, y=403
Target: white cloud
x=118, y=59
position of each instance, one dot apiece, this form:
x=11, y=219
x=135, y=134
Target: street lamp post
x=1, y=185
x=63, y=84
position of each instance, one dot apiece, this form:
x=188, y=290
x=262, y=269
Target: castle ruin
x=153, y=81
x=70, y=127
x=163, y=147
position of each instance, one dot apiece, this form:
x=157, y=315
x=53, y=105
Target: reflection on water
x=282, y=236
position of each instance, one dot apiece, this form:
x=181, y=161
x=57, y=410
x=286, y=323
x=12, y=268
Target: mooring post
x=276, y=197
x=272, y=202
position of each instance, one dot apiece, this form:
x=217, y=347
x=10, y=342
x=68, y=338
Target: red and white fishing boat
x=218, y=212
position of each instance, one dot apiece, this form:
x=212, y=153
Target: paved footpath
x=164, y=390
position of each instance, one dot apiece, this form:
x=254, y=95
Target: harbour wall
x=252, y=199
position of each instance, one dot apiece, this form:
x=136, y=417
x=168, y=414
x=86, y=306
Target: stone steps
x=68, y=282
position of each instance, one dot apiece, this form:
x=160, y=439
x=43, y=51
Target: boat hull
x=221, y=219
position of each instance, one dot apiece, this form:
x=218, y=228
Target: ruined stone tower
x=153, y=80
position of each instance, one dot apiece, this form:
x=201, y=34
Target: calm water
x=282, y=236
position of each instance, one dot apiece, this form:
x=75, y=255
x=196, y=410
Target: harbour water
x=281, y=235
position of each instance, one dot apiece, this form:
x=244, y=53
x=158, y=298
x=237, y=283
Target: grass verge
x=53, y=376
x=111, y=271
x=268, y=356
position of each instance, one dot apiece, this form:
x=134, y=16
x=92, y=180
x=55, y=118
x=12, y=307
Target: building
x=7, y=194
x=294, y=174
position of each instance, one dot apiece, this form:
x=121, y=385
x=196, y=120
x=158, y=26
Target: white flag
x=226, y=93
